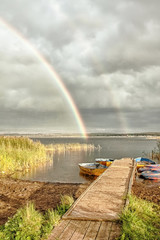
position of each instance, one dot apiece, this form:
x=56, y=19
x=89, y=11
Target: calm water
x=64, y=167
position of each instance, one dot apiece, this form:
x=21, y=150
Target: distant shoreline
x=90, y=135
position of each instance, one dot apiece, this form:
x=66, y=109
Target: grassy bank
x=140, y=220
x=30, y=224
x=19, y=153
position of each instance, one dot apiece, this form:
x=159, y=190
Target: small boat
x=95, y=169
x=151, y=175
x=104, y=161
x=147, y=160
x=149, y=167
x=141, y=162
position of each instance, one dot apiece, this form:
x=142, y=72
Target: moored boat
x=149, y=167
x=142, y=162
x=151, y=175
x=95, y=169
x=104, y=161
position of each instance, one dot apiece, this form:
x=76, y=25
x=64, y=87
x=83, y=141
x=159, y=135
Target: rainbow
x=97, y=67
x=54, y=74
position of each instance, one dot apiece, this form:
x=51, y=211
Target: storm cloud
x=106, y=52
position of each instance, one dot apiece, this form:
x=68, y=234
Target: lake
x=64, y=167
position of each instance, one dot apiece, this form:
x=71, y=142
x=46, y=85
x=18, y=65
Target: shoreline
x=85, y=139
x=15, y=193
x=56, y=136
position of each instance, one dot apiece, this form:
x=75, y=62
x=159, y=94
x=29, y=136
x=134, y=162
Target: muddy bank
x=147, y=190
x=16, y=193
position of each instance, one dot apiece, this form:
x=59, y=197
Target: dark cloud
x=106, y=52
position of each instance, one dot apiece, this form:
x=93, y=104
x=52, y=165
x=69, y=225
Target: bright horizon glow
x=55, y=76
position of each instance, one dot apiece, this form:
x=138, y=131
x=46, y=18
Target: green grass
x=140, y=220
x=19, y=153
x=30, y=224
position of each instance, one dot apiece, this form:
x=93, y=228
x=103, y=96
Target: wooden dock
x=96, y=213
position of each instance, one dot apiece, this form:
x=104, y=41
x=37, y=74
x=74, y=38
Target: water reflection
x=62, y=168
x=64, y=165
x=89, y=178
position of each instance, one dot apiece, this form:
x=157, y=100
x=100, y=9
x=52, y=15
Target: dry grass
x=70, y=147
x=20, y=153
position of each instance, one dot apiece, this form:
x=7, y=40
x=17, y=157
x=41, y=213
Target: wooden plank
x=65, y=216
x=69, y=230
x=81, y=230
x=104, y=207
x=102, y=201
x=104, y=231
x=118, y=173
x=124, y=162
x=115, y=231
x=131, y=180
x=92, y=230
x=57, y=231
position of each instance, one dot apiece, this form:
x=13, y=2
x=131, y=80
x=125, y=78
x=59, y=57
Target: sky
x=107, y=54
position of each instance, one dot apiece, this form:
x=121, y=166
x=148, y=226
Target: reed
x=20, y=153
x=156, y=152
x=70, y=147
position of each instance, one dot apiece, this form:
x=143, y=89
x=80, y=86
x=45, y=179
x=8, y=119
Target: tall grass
x=19, y=153
x=140, y=220
x=70, y=147
x=30, y=224
x=156, y=152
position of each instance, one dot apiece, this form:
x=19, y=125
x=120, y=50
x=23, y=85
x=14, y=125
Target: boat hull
x=95, y=170
x=149, y=167
x=142, y=162
x=105, y=162
x=141, y=165
x=151, y=175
